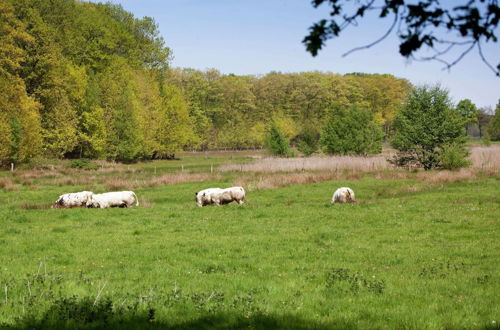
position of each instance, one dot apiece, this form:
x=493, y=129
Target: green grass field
x=410, y=254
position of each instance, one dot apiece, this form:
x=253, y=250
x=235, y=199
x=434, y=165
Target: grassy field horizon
x=418, y=250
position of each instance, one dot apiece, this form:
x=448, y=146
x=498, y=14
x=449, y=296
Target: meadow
x=419, y=250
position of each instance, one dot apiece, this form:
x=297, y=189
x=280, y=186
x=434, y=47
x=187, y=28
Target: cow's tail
x=136, y=199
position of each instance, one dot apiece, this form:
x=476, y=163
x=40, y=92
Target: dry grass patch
x=128, y=182
x=447, y=176
x=144, y=202
x=81, y=180
x=8, y=185
x=28, y=206
x=334, y=163
x=394, y=174
x=272, y=181
x=36, y=174
x=176, y=178
x=485, y=157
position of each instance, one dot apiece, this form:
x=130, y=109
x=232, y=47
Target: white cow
x=343, y=195
x=220, y=196
x=113, y=199
x=77, y=199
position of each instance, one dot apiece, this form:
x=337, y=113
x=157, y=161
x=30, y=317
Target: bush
x=453, y=156
x=351, y=131
x=84, y=164
x=486, y=139
x=308, y=142
x=277, y=143
x=494, y=126
x=425, y=127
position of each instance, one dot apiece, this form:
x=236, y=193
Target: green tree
x=467, y=110
x=351, y=131
x=20, y=138
x=308, y=141
x=425, y=125
x=494, y=126
x=277, y=144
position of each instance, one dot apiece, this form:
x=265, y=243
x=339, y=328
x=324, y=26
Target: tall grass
x=481, y=158
x=485, y=157
x=334, y=163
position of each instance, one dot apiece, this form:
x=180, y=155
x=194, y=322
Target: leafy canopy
x=425, y=126
x=351, y=131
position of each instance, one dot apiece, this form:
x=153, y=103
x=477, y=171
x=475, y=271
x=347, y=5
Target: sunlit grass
x=414, y=252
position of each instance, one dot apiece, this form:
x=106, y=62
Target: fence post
x=182, y=168
x=211, y=168
x=155, y=170
x=12, y=167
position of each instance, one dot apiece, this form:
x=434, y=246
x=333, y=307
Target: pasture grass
x=412, y=253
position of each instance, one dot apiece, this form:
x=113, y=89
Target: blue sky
x=256, y=37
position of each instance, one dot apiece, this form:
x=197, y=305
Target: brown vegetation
x=272, y=181
x=7, y=184
x=485, y=157
x=335, y=163
x=120, y=182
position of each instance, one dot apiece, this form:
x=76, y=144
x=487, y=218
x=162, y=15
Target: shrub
x=84, y=164
x=351, y=131
x=486, y=140
x=424, y=126
x=277, y=143
x=308, y=142
x=453, y=156
x=494, y=127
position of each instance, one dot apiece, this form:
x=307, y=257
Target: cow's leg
x=240, y=201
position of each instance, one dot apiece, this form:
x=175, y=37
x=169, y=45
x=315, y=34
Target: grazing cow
x=77, y=199
x=219, y=196
x=113, y=199
x=204, y=197
x=343, y=195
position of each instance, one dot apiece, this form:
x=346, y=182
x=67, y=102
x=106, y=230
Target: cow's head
x=92, y=203
x=59, y=202
x=199, y=199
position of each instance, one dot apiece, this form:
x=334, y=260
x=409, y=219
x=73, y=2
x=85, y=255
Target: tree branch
x=376, y=41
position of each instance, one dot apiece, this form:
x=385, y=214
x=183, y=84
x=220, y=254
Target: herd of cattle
x=210, y=196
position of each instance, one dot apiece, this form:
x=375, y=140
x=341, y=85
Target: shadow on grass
x=212, y=321
x=74, y=313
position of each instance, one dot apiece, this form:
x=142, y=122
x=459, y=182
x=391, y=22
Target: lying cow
x=220, y=196
x=113, y=199
x=77, y=199
x=343, y=195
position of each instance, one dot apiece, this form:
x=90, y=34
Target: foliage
x=453, y=156
x=494, y=125
x=467, y=110
x=233, y=111
x=84, y=164
x=87, y=80
x=277, y=144
x=20, y=138
x=351, y=131
x=484, y=117
x=425, y=124
x=427, y=23
x=308, y=141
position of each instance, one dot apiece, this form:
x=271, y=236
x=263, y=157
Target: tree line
x=85, y=80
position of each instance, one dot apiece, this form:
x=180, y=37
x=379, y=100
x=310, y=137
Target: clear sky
x=259, y=36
